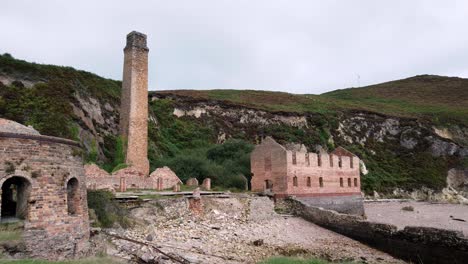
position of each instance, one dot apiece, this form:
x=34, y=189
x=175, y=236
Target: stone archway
x=15, y=194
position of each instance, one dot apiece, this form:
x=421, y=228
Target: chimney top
x=136, y=40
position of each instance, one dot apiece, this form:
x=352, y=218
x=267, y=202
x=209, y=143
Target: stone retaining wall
x=417, y=244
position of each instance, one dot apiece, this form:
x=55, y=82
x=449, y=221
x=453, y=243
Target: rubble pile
x=230, y=230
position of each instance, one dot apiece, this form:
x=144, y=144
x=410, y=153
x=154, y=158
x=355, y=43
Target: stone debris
x=231, y=230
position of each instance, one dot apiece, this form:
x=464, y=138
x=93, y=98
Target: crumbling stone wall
x=166, y=177
x=160, y=179
x=134, y=104
x=328, y=180
x=417, y=244
x=458, y=179
x=52, y=171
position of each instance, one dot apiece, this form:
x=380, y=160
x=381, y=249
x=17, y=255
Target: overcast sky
x=300, y=46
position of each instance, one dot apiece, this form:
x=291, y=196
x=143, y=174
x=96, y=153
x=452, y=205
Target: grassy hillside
x=189, y=145
x=442, y=100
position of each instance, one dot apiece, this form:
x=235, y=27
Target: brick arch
x=20, y=207
x=20, y=173
x=73, y=195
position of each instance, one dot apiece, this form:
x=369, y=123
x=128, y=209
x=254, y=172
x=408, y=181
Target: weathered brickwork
x=192, y=182
x=134, y=104
x=309, y=175
x=130, y=178
x=46, y=175
x=165, y=177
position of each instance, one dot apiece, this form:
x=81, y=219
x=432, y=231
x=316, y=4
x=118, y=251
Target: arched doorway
x=73, y=196
x=15, y=194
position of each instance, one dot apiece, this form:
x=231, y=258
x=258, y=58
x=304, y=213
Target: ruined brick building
x=329, y=180
x=43, y=185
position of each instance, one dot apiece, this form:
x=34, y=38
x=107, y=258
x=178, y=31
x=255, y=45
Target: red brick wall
x=50, y=232
x=285, y=165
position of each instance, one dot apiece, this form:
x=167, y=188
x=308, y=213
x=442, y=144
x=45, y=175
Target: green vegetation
x=291, y=260
x=82, y=81
x=11, y=231
x=228, y=165
x=101, y=260
x=107, y=210
x=438, y=99
x=44, y=106
x=189, y=145
x=113, y=148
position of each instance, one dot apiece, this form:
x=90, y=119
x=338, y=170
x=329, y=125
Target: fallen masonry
x=240, y=229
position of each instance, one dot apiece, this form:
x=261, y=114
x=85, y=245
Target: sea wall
x=416, y=244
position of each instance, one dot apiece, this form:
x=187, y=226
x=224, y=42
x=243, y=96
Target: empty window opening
x=355, y=182
x=73, y=196
x=341, y=182
x=309, y=183
x=267, y=163
x=294, y=161
x=330, y=157
x=351, y=162
x=15, y=194
x=349, y=182
x=268, y=185
x=340, y=162
x=307, y=159
x=295, y=181
x=319, y=159
x=321, y=182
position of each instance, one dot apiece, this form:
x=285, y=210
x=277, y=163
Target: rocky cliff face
x=401, y=146
x=403, y=151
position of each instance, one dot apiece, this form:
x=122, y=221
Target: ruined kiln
x=43, y=184
x=327, y=180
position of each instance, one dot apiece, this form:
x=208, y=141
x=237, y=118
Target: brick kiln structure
x=43, y=184
x=327, y=180
x=129, y=178
x=134, y=104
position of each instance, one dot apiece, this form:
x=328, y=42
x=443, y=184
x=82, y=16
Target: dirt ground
x=235, y=230
x=446, y=216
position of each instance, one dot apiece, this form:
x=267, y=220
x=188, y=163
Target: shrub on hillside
x=107, y=210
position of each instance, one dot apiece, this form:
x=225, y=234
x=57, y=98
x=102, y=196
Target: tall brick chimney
x=134, y=102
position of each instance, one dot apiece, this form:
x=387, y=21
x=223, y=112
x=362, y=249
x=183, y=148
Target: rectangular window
x=307, y=159
x=267, y=163
x=319, y=159
x=321, y=182
x=349, y=182
x=355, y=182
x=341, y=182
x=330, y=157
x=295, y=181
x=309, y=183
x=294, y=158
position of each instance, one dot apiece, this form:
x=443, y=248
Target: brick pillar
x=206, y=184
x=159, y=184
x=123, y=184
x=134, y=102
